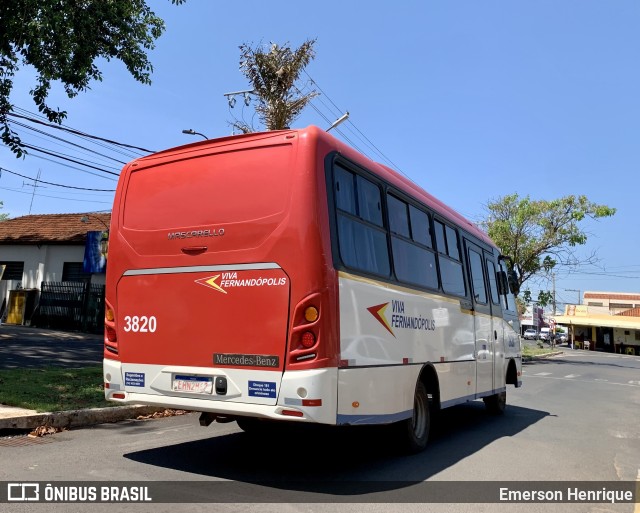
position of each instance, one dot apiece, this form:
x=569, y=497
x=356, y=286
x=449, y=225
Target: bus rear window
x=221, y=188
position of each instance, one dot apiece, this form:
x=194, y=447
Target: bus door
x=498, y=323
x=483, y=324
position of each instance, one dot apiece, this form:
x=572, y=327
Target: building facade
x=44, y=271
x=606, y=321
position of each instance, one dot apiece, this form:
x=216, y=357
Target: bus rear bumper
x=318, y=405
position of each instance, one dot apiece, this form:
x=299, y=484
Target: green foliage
x=53, y=389
x=540, y=235
x=62, y=39
x=273, y=75
x=544, y=297
x=3, y=217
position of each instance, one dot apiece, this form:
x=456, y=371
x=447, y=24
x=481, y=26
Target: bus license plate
x=194, y=384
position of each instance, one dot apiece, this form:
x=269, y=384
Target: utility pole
x=35, y=186
x=553, y=293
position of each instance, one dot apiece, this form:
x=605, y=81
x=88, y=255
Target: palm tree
x=273, y=75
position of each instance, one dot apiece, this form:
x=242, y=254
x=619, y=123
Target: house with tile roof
x=44, y=270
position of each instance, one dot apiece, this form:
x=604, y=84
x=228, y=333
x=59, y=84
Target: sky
x=470, y=99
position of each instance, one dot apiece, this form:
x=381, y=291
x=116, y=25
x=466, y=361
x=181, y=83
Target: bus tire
x=249, y=424
x=496, y=403
x=415, y=430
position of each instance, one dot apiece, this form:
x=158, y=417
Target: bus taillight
x=311, y=314
x=305, y=333
x=110, y=332
x=308, y=340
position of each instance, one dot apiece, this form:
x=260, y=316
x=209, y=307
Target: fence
x=70, y=306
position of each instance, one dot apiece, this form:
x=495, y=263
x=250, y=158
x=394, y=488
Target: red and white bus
x=285, y=276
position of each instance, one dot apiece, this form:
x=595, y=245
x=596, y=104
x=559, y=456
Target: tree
x=273, y=75
x=3, y=217
x=539, y=235
x=62, y=39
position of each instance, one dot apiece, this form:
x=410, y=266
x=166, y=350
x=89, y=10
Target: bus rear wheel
x=415, y=430
x=496, y=403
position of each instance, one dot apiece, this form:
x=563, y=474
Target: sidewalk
x=26, y=347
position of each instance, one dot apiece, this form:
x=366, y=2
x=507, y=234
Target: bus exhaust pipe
x=206, y=418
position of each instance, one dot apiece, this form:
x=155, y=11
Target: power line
x=127, y=153
x=329, y=121
x=66, y=141
x=54, y=197
x=76, y=168
x=77, y=132
x=55, y=184
x=364, y=138
x=60, y=156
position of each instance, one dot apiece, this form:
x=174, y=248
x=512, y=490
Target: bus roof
x=398, y=180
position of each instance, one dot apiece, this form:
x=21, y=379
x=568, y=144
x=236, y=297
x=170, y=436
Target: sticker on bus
x=134, y=379
x=262, y=389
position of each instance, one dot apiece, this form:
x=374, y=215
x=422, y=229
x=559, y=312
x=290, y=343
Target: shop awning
x=604, y=321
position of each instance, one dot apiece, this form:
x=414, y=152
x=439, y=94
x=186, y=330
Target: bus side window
x=420, y=227
x=413, y=261
x=477, y=277
x=362, y=239
x=345, y=190
x=493, y=282
x=451, y=271
x=369, y=207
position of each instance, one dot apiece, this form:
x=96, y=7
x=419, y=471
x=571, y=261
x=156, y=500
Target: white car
x=530, y=334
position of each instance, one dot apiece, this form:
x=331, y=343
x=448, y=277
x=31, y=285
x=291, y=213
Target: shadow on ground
x=290, y=463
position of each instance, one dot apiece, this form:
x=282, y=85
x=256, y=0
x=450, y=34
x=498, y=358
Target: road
x=575, y=419
x=23, y=347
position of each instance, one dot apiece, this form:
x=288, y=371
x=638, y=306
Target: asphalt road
x=22, y=347
x=575, y=419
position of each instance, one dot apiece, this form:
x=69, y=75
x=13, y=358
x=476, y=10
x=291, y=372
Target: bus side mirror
x=511, y=276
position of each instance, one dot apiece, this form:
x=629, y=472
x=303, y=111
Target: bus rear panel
x=216, y=268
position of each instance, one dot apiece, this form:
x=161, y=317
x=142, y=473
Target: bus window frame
x=334, y=158
x=410, y=239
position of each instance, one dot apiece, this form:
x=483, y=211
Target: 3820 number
x=141, y=324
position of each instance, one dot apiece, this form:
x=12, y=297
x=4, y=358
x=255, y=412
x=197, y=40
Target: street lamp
x=341, y=119
x=190, y=131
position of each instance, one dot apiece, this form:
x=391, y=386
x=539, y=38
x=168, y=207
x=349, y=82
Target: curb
x=541, y=356
x=78, y=418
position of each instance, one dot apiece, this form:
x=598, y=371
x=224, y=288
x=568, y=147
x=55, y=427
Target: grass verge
x=53, y=389
x=535, y=351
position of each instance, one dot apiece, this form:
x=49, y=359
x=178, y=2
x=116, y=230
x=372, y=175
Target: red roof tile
x=612, y=295
x=52, y=228
x=633, y=312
